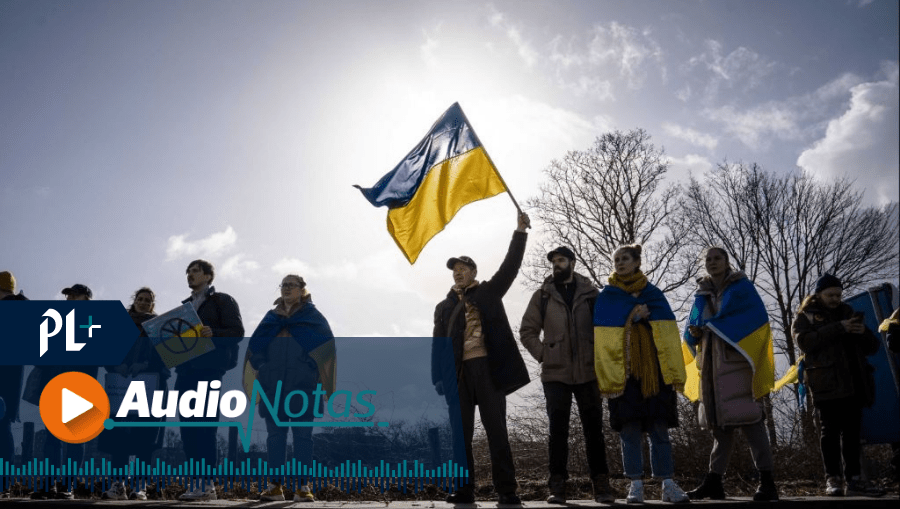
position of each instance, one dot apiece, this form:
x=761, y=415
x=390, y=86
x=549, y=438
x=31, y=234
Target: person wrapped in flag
x=294, y=346
x=639, y=367
x=447, y=170
x=730, y=364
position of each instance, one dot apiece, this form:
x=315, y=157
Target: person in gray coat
x=563, y=308
x=727, y=402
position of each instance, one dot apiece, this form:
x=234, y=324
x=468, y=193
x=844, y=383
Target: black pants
x=590, y=408
x=477, y=388
x=11, y=392
x=199, y=443
x=122, y=442
x=840, y=423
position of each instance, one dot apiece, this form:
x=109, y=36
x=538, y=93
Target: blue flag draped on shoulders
x=742, y=322
x=447, y=170
x=310, y=329
x=611, y=310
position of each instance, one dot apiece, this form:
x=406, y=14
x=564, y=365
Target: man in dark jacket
x=487, y=364
x=221, y=320
x=564, y=309
x=835, y=343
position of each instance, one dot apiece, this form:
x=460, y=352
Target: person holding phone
x=835, y=342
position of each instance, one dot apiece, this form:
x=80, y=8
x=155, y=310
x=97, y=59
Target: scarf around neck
x=632, y=283
x=640, y=352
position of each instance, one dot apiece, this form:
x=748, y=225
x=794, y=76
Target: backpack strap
x=545, y=299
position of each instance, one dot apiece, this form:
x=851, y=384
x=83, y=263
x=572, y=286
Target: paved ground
x=732, y=503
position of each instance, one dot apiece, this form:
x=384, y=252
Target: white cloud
x=562, y=53
x=795, y=118
x=287, y=266
x=514, y=34
x=212, y=245
x=681, y=168
x=691, y=136
x=741, y=69
x=589, y=86
x=863, y=141
x=238, y=268
x=626, y=48
x=587, y=65
x=754, y=125
x=428, y=49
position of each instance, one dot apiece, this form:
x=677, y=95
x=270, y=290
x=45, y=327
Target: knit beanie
x=7, y=281
x=828, y=281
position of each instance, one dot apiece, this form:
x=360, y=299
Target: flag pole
x=496, y=171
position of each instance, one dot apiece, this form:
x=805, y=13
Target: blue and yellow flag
x=447, y=170
x=742, y=321
x=611, y=311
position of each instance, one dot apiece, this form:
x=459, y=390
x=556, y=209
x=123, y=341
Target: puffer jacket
x=835, y=361
x=507, y=367
x=726, y=376
x=566, y=353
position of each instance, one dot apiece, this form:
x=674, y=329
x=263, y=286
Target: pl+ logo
x=58, y=322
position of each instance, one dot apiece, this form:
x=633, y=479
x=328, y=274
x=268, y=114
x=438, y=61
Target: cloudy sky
x=137, y=136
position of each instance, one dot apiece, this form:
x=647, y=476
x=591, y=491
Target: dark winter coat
x=507, y=367
x=11, y=380
x=835, y=361
x=220, y=312
x=142, y=354
x=566, y=353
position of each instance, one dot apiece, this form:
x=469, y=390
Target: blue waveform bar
x=347, y=476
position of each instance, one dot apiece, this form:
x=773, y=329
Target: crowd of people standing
x=620, y=343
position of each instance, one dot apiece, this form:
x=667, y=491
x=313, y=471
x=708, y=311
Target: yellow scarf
x=640, y=351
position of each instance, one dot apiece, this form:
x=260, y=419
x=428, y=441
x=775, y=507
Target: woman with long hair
x=639, y=366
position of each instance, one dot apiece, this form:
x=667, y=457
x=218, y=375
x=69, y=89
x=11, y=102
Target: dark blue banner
x=72, y=333
x=348, y=412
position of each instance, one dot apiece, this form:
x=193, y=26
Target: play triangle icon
x=73, y=405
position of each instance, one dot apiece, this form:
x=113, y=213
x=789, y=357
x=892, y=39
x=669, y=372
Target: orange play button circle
x=73, y=407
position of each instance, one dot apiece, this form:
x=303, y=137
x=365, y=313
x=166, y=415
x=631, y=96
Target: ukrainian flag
x=448, y=169
x=743, y=322
x=611, y=311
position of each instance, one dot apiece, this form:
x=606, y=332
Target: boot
x=603, y=492
x=710, y=488
x=464, y=495
x=767, y=491
x=557, y=486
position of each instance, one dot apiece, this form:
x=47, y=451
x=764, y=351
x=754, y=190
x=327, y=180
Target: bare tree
x=784, y=231
x=609, y=195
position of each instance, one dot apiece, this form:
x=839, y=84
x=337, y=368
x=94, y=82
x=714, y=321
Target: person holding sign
x=142, y=363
